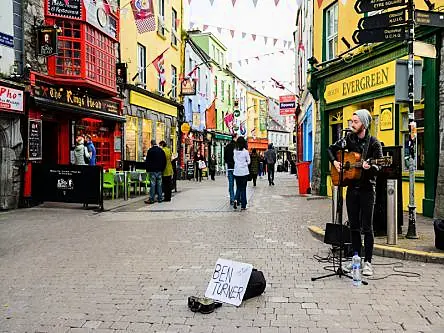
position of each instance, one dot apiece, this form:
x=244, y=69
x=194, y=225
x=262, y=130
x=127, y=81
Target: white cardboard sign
x=229, y=281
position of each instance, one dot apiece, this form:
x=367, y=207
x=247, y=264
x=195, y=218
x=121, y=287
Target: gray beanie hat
x=365, y=117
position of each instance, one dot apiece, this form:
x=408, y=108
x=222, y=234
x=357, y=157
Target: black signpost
x=365, y=6
x=432, y=19
x=384, y=20
x=379, y=35
x=190, y=170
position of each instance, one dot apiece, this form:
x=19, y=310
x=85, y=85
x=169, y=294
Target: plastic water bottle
x=356, y=269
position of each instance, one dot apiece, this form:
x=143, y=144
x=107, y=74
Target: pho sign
x=11, y=99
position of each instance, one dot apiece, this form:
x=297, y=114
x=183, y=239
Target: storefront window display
x=160, y=131
x=336, y=122
x=147, y=127
x=419, y=119
x=131, y=135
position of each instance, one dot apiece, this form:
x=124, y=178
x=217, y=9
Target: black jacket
x=155, y=160
x=229, y=155
x=354, y=144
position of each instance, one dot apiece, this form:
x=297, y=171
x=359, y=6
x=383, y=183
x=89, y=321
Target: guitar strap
x=367, y=145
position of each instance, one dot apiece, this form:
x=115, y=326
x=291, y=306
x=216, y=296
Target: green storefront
x=366, y=79
x=220, y=140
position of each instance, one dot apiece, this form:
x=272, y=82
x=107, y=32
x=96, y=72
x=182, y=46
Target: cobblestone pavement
x=132, y=269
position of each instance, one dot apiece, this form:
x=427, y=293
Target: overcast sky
x=264, y=20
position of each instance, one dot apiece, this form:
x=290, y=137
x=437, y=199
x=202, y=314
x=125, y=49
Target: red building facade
x=77, y=94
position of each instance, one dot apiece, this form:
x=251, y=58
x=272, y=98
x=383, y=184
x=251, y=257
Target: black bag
x=439, y=233
x=256, y=285
x=333, y=234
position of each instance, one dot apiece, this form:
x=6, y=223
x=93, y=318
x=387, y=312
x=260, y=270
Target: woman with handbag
x=81, y=154
x=254, y=165
x=200, y=163
x=241, y=172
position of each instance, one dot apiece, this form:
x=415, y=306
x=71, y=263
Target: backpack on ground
x=256, y=285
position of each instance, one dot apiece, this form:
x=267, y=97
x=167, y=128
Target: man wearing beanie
x=361, y=192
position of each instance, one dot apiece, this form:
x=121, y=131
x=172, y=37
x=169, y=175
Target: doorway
x=50, y=144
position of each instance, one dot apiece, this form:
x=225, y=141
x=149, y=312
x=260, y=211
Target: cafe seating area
x=137, y=183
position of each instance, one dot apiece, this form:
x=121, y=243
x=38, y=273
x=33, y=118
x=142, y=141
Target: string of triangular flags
x=276, y=2
x=287, y=44
x=258, y=57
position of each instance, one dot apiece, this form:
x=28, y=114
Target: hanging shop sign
x=380, y=35
x=6, y=40
x=383, y=20
x=99, y=13
x=46, y=41
x=76, y=98
x=287, y=105
x=432, y=19
x=188, y=87
x=185, y=128
x=236, y=113
x=386, y=117
x=11, y=99
x=64, y=8
x=34, y=139
x=365, y=6
x=374, y=79
x=263, y=115
x=121, y=74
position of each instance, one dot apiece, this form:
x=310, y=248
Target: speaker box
x=335, y=232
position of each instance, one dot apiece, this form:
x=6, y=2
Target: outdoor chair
x=108, y=183
x=134, y=181
x=144, y=182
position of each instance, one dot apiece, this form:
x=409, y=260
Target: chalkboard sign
x=190, y=169
x=34, y=139
x=64, y=8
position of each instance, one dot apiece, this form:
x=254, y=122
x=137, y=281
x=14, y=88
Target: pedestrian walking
x=167, y=172
x=155, y=164
x=229, y=166
x=199, y=165
x=261, y=165
x=81, y=155
x=254, y=165
x=212, y=166
x=241, y=172
x=91, y=150
x=270, y=159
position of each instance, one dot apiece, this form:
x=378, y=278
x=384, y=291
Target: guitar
x=352, y=166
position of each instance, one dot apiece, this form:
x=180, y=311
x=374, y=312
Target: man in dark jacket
x=155, y=164
x=270, y=159
x=361, y=193
x=229, y=165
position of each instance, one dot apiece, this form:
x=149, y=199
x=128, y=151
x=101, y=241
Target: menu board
x=190, y=169
x=35, y=139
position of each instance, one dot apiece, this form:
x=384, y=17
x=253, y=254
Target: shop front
x=219, y=141
x=261, y=144
x=57, y=115
x=148, y=116
x=369, y=83
x=11, y=143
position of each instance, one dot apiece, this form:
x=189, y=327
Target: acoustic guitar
x=352, y=166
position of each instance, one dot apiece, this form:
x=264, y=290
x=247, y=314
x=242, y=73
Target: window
x=198, y=79
x=190, y=109
x=229, y=94
x=68, y=58
x=173, y=139
x=331, y=21
x=173, y=81
x=419, y=119
x=206, y=86
x=147, y=128
x=161, y=18
x=131, y=136
x=190, y=66
x=336, y=125
x=215, y=86
x=141, y=63
x=214, y=52
x=160, y=86
x=160, y=131
x=174, y=27
x=222, y=90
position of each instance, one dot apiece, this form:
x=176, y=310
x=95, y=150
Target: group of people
x=160, y=170
x=84, y=153
x=241, y=166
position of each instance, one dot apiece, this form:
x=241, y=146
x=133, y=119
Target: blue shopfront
x=307, y=132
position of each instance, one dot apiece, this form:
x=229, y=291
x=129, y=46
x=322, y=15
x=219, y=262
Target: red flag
x=211, y=116
x=144, y=15
x=159, y=65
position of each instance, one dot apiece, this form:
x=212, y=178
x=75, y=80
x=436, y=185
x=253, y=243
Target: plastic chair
x=108, y=183
x=113, y=171
x=145, y=182
x=134, y=180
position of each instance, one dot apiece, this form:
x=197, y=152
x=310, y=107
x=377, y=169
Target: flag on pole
x=159, y=65
x=211, y=116
x=278, y=84
x=143, y=11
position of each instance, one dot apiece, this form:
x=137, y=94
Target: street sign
x=384, y=20
x=380, y=35
x=432, y=19
x=365, y=6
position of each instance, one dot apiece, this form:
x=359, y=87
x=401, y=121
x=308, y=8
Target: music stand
x=339, y=209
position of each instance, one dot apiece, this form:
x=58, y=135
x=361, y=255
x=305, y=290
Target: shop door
x=50, y=143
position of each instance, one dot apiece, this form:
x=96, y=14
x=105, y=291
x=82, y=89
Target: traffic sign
x=432, y=19
x=380, y=35
x=365, y=6
x=385, y=20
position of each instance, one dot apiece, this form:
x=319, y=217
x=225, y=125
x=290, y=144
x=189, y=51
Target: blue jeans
x=230, y=184
x=156, y=181
x=241, y=190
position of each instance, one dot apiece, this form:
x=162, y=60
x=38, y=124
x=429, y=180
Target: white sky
x=267, y=20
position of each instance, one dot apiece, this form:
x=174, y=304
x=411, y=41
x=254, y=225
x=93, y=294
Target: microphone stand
x=339, y=208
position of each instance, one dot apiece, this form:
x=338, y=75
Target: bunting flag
x=257, y=58
x=211, y=1
x=278, y=84
x=232, y=33
x=276, y=2
x=189, y=2
x=261, y=55
x=265, y=40
x=244, y=34
x=192, y=25
x=301, y=46
x=285, y=43
x=159, y=65
x=205, y=27
x=254, y=37
x=274, y=41
x=177, y=22
x=219, y=30
x=234, y=2
x=144, y=15
x=255, y=3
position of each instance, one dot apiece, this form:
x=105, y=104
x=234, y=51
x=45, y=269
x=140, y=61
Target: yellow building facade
x=150, y=107
x=344, y=81
x=257, y=111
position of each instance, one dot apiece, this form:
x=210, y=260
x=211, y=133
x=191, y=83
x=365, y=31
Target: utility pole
x=411, y=232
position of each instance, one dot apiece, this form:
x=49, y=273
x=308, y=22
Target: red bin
x=303, y=176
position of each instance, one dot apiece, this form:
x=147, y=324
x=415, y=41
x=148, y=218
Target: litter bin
x=303, y=176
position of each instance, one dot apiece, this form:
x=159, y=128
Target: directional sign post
x=365, y=6
x=385, y=20
x=379, y=35
x=432, y=19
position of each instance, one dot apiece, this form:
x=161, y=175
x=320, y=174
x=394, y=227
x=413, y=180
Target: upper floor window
x=173, y=81
x=141, y=63
x=215, y=86
x=214, y=52
x=174, y=39
x=222, y=88
x=161, y=18
x=331, y=37
x=68, y=59
x=198, y=79
x=229, y=94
